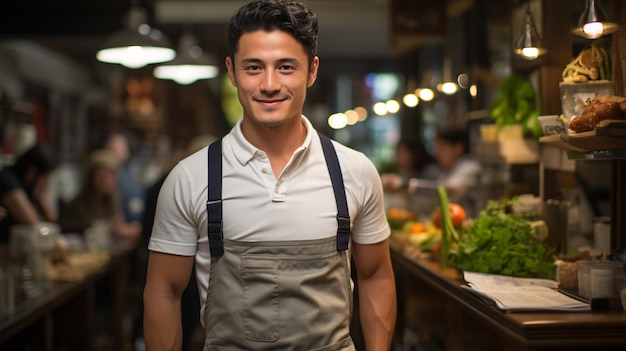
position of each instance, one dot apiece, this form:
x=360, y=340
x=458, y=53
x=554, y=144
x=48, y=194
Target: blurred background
x=372, y=51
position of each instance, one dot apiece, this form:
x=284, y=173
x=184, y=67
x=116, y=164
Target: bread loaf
x=621, y=100
x=599, y=109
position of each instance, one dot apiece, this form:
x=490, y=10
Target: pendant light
x=136, y=45
x=190, y=65
x=594, y=22
x=529, y=44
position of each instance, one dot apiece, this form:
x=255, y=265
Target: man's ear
x=230, y=67
x=313, y=71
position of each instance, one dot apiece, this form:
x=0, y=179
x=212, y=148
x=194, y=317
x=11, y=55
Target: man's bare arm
x=377, y=294
x=166, y=280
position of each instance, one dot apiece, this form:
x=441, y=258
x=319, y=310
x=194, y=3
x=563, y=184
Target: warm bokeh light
x=410, y=100
x=361, y=112
x=352, y=117
x=449, y=88
x=426, y=94
x=392, y=106
x=337, y=120
x=473, y=90
x=380, y=108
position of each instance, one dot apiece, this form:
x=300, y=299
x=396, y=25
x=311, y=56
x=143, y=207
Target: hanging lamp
x=136, y=45
x=191, y=63
x=594, y=22
x=529, y=44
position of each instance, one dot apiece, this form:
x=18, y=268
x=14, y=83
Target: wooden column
x=618, y=193
x=556, y=27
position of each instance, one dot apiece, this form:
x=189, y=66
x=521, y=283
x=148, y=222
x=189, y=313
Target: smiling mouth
x=270, y=102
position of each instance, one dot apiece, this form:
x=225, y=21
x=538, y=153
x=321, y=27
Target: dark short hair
x=284, y=15
x=41, y=157
x=454, y=134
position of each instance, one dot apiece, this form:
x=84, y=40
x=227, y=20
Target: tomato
x=457, y=215
x=417, y=227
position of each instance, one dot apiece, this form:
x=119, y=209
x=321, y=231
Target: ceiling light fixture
x=529, y=44
x=190, y=65
x=594, y=22
x=136, y=45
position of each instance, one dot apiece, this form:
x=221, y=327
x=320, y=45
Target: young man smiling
x=272, y=213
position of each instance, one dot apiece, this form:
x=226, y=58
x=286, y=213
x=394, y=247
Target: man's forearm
x=162, y=324
x=377, y=307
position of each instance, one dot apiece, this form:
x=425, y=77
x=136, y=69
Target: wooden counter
x=63, y=317
x=431, y=303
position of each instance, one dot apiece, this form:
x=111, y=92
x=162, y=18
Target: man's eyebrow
x=282, y=60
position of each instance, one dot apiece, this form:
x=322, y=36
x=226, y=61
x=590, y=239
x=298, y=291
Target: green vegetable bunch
x=515, y=104
x=503, y=243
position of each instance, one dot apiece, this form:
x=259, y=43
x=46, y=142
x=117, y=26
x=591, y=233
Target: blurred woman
x=98, y=200
x=24, y=190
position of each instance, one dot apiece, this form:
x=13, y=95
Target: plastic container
x=576, y=96
x=599, y=278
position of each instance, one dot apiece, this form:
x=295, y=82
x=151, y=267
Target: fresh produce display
x=456, y=213
x=428, y=239
x=497, y=241
x=449, y=234
x=591, y=64
x=503, y=243
x=398, y=217
x=417, y=236
x=515, y=104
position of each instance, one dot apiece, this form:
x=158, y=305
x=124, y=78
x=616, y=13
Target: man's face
x=104, y=180
x=271, y=73
x=447, y=153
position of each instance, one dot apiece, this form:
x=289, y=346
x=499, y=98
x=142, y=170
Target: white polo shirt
x=299, y=204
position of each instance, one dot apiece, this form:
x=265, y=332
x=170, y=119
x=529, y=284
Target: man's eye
x=253, y=68
x=286, y=68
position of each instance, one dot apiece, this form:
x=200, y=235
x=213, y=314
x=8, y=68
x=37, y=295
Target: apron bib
x=278, y=295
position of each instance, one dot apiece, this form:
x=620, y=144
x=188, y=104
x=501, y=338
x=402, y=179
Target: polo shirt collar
x=244, y=151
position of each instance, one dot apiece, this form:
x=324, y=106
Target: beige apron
x=278, y=295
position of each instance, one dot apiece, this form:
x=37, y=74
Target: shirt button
x=264, y=170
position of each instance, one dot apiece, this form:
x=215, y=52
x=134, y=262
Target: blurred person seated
x=98, y=199
x=413, y=161
x=460, y=172
x=131, y=191
x=24, y=190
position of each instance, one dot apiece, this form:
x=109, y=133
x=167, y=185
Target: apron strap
x=343, y=216
x=214, y=203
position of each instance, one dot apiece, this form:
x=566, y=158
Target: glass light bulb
x=530, y=53
x=593, y=29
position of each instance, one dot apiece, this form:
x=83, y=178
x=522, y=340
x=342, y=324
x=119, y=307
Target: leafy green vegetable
x=503, y=243
x=515, y=104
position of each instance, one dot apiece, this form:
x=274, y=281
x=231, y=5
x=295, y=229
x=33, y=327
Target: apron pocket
x=261, y=309
x=343, y=345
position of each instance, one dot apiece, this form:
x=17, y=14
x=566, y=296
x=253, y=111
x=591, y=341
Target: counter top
x=69, y=303
x=523, y=330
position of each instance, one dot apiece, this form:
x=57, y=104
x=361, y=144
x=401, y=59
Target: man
x=460, y=173
x=273, y=231
x=131, y=191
